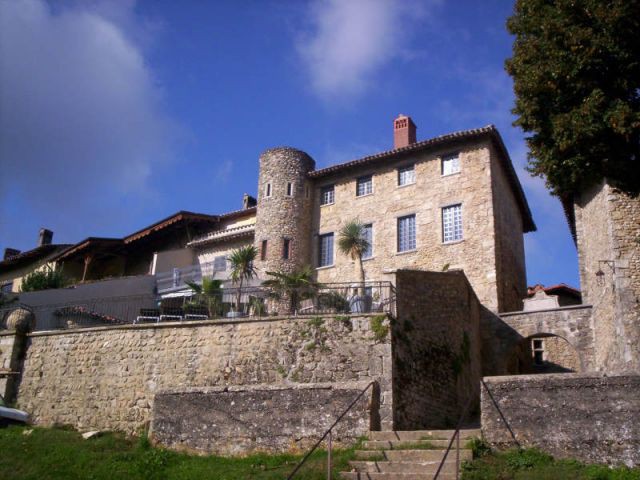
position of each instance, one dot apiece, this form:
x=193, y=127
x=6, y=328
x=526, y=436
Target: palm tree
x=351, y=241
x=298, y=285
x=210, y=292
x=242, y=268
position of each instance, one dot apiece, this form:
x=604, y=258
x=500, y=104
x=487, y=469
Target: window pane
x=364, y=186
x=406, y=175
x=263, y=250
x=450, y=164
x=452, y=223
x=327, y=195
x=325, y=250
x=406, y=233
x=367, y=234
x=285, y=249
x=219, y=264
x=289, y=189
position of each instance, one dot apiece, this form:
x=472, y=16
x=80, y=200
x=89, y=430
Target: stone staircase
x=409, y=455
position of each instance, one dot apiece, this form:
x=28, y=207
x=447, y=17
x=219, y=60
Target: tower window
x=263, y=250
x=450, y=164
x=452, y=223
x=327, y=195
x=407, y=233
x=267, y=191
x=406, y=175
x=538, y=351
x=364, y=186
x=289, y=189
x=286, y=246
x=325, y=250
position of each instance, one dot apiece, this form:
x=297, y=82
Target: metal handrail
x=455, y=436
x=328, y=432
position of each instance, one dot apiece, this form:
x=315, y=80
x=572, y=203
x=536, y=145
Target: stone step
x=422, y=434
x=411, y=455
x=403, y=467
x=403, y=444
x=394, y=476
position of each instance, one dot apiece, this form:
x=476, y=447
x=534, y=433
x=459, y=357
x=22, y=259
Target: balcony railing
x=255, y=301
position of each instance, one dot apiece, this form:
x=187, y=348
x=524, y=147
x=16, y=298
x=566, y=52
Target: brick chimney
x=404, y=131
x=10, y=253
x=45, y=238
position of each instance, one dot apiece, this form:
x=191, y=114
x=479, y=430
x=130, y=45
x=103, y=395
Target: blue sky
x=116, y=114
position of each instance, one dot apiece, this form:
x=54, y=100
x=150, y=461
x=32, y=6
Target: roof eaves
x=168, y=221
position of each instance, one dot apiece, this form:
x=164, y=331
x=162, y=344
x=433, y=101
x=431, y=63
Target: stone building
x=452, y=202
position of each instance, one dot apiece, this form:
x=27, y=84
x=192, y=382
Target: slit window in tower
x=286, y=244
x=289, y=189
x=267, y=192
x=263, y=250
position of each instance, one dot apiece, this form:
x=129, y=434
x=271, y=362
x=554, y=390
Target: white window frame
x=370, y=239
x=452, y=226
x=412, y=243
x=330, y=256
x=452, y=159
x=406, y=169
x=329, y=189
x=367, y=190
x=219, y=259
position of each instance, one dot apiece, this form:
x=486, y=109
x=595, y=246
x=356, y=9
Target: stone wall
x=471, y=187
x=436, y=349
x=505, y=338
x=511, y=274
x=235, y=420
x=608, y=228
x=592, y=418
x=11, y=349
x=106, y=378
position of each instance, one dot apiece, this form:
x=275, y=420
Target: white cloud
x=351, y=40
x=82, y=124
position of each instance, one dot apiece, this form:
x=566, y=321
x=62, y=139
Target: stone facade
x=607, y=225
x=588, y=417
x=436, y=349
x=284, y=212
x=490, y=218
x=106, y=378
x=506, y=339
x=271, y=418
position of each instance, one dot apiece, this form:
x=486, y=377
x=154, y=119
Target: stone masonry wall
x=436, y=349
x=106, y=378
x=503, y=337
x=588, y=417
x=11, y=346
x=608, y=228
x=471, y=187
x=509, y=244
x=236, y=420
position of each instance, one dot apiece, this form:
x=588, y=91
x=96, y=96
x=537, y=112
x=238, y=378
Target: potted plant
x=351, y=241
x=242, y=269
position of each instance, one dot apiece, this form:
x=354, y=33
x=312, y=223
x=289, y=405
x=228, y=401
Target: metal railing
x=329, y=436
x=255, y=301
x=456, y=437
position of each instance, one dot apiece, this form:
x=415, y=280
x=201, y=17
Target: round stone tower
x=283, y=220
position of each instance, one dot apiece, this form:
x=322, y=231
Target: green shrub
x=379, y=328
x=43, y=280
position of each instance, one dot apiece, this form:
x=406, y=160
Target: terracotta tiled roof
x=33, y=255
x=489, y=131
x=87, y=243
x=554, y=289
x=243, y=231
x=175, y=218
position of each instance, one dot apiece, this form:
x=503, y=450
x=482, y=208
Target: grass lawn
x=531, y=464
x=63, y=454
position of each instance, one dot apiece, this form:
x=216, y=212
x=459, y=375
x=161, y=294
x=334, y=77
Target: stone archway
x=544, y=353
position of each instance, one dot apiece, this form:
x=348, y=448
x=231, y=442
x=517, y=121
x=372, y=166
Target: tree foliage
x=242, y=268
x=352, y=242
x=296, y=286
x=576, y=71
x=42, y=280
